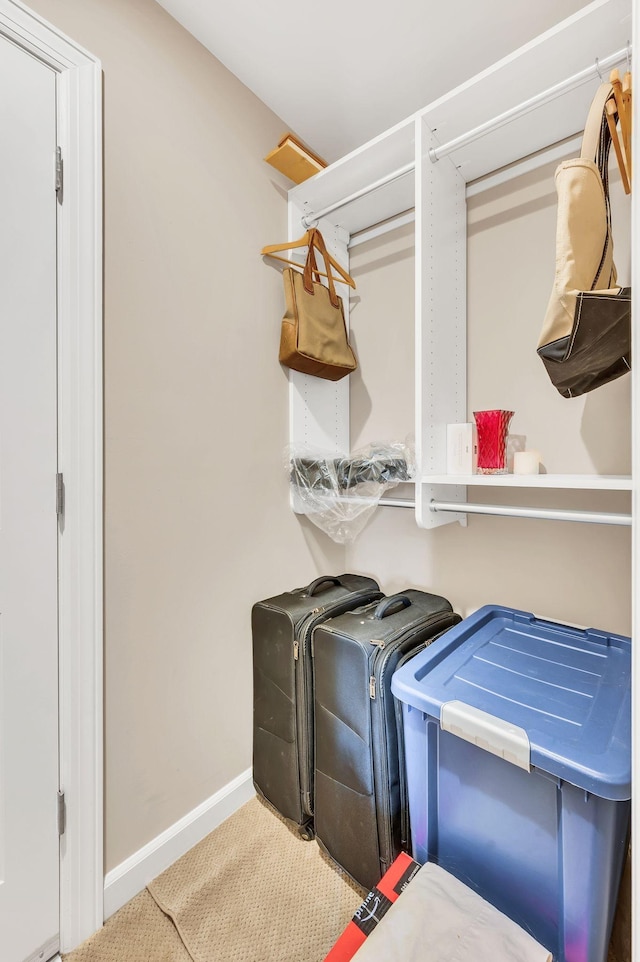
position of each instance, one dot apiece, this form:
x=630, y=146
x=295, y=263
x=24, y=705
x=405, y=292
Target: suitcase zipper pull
x=378, y=644
x=372, y=687
x=296, y=647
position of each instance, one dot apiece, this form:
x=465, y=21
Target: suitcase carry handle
x=389, y=605
x=313, y=587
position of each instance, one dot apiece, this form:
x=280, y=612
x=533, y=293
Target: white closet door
x=29, y=845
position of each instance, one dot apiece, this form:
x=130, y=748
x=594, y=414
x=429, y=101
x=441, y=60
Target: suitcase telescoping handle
x=391, y=604
x=327, y=579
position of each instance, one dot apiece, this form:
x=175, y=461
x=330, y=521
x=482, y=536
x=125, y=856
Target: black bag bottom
x=598, y=350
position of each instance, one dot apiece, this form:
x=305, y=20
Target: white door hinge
x=59, y=172
x=60, y=495
x=62, y=814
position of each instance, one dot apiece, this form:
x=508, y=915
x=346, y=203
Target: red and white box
x=373, y=909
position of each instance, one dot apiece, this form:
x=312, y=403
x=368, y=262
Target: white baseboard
x=132, y=875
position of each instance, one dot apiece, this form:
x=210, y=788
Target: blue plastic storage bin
x=518, y=751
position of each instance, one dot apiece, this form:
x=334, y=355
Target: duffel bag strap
x=592, y=138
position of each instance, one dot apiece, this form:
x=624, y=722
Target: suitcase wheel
x=306, y=833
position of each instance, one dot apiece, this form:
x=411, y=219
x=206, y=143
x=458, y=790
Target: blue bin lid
x=568, y=689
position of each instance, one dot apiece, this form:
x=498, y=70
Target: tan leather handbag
x=586, y=335
x=314, y=334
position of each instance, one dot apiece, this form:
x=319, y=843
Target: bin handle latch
x=493, y=734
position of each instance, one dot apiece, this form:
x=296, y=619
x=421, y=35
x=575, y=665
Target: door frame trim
x=80, y=459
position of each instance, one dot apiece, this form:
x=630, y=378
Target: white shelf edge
x=317, y=183
x=583, y=482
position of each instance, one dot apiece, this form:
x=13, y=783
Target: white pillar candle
x=526, y=462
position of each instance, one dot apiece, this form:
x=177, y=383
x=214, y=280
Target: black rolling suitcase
x=360, y=788
x=282, y=689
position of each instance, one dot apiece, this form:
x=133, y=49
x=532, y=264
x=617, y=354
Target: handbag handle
x=316, y=240
x=596, y=142
x=315, y=271
x=592, y=138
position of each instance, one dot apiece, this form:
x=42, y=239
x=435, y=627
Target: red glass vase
x=493, y=427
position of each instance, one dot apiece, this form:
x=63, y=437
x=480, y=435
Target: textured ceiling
x=341, y=72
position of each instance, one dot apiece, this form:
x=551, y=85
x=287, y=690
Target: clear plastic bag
x=339, y=494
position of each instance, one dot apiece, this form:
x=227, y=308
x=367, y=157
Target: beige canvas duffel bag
x=586, y=335
x=313, y=337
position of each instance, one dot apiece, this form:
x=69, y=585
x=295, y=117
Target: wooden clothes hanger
x=271, y=250
x=627, y=101
x=620, y=105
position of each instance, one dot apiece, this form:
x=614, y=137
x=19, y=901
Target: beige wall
x=576, y=572
x=197, y=523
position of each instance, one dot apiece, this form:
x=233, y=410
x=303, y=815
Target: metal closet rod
x=397, y=503
x=309, y=219
x=589, y=73
x=312, y=217
x=544, y=514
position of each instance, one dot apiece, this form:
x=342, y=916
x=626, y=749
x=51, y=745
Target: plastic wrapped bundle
x=339, y=494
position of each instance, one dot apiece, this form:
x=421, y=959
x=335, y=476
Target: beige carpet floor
x=138, y=932
x=251, y=891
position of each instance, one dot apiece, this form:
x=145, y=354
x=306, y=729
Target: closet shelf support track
x=544, y=514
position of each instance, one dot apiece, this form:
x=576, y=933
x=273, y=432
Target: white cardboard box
x=462, y=449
